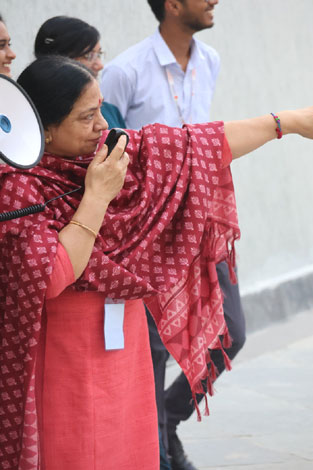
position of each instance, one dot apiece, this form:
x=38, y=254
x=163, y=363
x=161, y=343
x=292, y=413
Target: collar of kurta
x=160, y=240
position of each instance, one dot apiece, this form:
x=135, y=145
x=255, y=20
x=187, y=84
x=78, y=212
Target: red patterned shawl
x=161, y=237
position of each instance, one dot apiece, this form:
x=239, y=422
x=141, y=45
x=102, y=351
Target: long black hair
x=54, y=83
x=66, y=36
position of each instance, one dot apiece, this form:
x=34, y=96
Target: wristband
x=278, y=128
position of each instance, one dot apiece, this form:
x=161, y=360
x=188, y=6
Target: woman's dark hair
x=54, y=83
x=1, y=19
x=63, y=35
x=157, y=6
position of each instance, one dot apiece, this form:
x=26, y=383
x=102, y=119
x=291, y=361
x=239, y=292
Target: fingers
x=119, y=149
x=125, y=159
x=116, y=154
x=123, y=163
x=101, y=155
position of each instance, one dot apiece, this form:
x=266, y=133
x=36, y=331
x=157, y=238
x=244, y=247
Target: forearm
x=104, y=179
x=248, y=135
x=77, y=241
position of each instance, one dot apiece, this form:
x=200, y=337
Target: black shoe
x=179, y=460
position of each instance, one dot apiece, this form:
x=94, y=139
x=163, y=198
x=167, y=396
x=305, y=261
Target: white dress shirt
x=136, y=81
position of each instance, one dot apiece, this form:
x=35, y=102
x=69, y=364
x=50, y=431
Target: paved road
x=261, y=417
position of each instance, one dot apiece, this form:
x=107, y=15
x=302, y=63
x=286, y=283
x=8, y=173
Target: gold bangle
x=74, y=222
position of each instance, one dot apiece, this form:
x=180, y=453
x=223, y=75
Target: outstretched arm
x=247, y=135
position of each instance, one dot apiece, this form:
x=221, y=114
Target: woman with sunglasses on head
x=74, y=38
x=6, y=53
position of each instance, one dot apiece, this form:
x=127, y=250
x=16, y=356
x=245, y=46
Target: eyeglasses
x=93, y=56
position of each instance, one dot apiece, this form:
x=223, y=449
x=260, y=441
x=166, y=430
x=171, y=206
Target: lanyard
x=170, y=80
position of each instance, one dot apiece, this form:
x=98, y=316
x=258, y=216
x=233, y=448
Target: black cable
x=32, y=209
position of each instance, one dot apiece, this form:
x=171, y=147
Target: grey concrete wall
x=266, y=50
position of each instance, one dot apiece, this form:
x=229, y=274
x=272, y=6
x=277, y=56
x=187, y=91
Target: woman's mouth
x=6, y=67
x=95, y=141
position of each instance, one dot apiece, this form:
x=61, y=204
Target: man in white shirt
x=138, y=82
x=169, y=78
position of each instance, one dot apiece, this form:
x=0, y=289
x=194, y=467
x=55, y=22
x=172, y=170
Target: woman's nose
x=101, y=124
x=98, y=65
x=10, y=53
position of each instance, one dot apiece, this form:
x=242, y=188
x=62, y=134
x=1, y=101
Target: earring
x=48, y=140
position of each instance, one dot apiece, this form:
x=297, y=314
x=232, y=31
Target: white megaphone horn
x=21, y=132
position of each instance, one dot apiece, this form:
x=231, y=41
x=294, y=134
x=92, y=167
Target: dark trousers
x=175, y=403
x=164, y=463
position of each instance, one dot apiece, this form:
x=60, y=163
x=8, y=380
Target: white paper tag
x=113, y=325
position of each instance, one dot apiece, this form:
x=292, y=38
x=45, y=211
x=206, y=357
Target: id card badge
x=113, y=324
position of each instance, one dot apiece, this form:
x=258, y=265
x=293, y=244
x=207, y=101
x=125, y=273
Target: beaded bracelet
x=74, y=222
x=278, y=128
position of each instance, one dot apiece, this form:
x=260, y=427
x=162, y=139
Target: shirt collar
x=196, y=54
x=165, y=55
x=163, y=52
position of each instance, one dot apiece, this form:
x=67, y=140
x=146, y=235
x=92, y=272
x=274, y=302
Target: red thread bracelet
x=278, y=128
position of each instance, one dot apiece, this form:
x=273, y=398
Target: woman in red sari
x=70, y=400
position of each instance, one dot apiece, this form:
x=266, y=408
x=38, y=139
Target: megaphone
x=21, y=131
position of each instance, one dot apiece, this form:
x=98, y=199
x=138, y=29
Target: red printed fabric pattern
x=161, y=237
